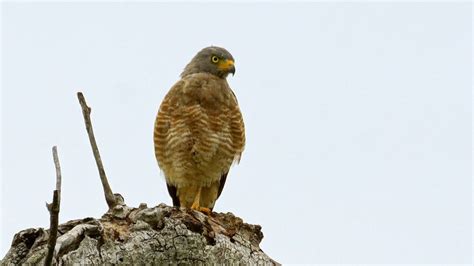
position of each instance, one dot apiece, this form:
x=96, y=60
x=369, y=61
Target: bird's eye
x=214, y=59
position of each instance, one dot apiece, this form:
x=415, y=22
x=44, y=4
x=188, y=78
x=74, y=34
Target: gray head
x=214, y=60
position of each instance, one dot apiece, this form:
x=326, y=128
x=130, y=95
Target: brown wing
x=162, y=131
x=173, y=193
x=237, y=132
x=237, y=129
x=221, y=184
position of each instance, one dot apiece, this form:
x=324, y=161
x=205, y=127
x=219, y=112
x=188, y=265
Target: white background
x=358, y=119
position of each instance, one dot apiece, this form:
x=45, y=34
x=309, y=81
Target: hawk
x=199, y=131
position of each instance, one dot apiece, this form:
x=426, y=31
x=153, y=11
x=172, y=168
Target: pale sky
x=358, y=119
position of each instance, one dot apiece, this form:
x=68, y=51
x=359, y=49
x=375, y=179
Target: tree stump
x=158, y=235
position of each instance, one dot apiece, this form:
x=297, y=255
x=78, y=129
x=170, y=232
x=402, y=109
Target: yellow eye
x=214, y=59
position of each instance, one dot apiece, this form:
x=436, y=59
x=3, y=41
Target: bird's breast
x=194, y=139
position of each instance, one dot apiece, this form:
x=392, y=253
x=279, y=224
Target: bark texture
x=159, y=235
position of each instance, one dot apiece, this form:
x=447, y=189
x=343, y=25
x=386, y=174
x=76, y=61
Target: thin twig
x=86, y=110
x=58, y=170
x=53, y=209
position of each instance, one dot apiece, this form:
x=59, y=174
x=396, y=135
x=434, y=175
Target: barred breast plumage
x=199, y=132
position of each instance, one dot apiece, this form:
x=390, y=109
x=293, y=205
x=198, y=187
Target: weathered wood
x=86, y=112
x=57, y=166
x=159, y=235
x=53, y=209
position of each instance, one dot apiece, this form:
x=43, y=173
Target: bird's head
x=214, y=60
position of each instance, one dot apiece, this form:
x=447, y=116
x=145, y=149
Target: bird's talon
x=205, y=210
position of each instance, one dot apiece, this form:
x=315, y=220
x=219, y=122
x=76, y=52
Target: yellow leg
x=196, y=206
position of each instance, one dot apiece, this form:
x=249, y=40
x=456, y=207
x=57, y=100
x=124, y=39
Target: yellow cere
x=225, y=64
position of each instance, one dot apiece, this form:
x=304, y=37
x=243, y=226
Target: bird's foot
x=204, y=210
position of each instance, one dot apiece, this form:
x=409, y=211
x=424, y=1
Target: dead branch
x=75, y=235
x=58, y=171
x=53, y=209
x=86, y=110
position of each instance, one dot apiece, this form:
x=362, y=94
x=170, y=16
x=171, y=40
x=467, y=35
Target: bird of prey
x=199, y=131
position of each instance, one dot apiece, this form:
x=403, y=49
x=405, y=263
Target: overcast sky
x=358, y=119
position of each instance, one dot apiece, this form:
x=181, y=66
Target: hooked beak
x=227, y=66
